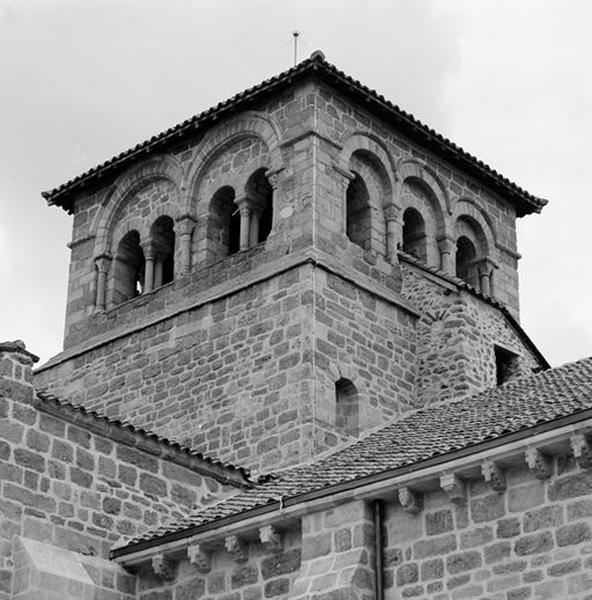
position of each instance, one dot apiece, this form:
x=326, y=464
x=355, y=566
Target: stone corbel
x=494, y=476
x=199, y=557
x=540, y=464
x=582, y=450
x=411, y=502
x=454, y=487
x=270, y=538
x=163, y=567
x=237, y=548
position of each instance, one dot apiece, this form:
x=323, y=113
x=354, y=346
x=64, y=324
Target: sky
x=509, y=81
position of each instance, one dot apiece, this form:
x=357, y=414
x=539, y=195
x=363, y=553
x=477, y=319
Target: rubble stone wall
x=456, y=338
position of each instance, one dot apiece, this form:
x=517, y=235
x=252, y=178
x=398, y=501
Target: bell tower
x=288, y=270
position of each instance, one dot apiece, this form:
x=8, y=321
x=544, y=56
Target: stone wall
x=532, y=541
x=238, y=377
x=255, y=573
x=456, y=338
x=78, y=482
x=410, y=177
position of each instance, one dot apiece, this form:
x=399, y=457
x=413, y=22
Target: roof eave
x=524, y=436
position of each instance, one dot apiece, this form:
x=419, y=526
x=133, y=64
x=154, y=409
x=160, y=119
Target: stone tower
x=287, y=270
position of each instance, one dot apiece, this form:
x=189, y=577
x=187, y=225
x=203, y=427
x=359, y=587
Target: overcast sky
x=510, y=81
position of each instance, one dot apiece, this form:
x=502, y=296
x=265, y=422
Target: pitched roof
x=434, y=431
x=148, y=441
x=316, y=66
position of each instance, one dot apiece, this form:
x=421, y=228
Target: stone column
x=447, y=247
x=254, y=228
x=149, y=257
x=183, y=230
x=158, y=265
x=103, y=263
x=245, y=208
x=485, y=268
x=392, y=214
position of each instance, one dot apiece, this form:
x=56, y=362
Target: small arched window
x=129, y=268
x=223, y=230
x=466, y=255
x=346, y=407
x=260, y=193
x=414, y=234
x=162, y=235
x=358, y=222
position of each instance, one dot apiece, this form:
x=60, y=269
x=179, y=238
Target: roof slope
x=318, y=67
x=145, y=440
x=427, y=433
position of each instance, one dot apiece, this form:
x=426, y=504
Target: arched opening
x=223, y=231
x=260, y=193
x=129, y=268
x=358, y=224
x=466, y=255
x=162, y=236
x=346, y=407
x=414, y=234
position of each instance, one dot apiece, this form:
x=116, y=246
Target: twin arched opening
x=142, y=265
x=236, y=224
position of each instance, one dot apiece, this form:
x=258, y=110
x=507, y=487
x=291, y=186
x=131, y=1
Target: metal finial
x=295, y=34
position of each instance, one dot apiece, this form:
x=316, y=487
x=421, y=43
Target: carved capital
x=485, y=266
x=582, y=450
x=446, y=244
x=392, y=213
x=410, y=501
x=163, y=567
x=150, y=249
x=237, y=548
x=270, y=538
x=494, y=476
x=540, y=464
x=185, y=224
x=245, y=205
x=273, y=176
x=103, y=262
x=454, y=487
x=199, y=557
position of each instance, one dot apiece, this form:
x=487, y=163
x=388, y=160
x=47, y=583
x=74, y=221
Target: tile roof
x=317, y=66
x=424, y=434
x=131, y=435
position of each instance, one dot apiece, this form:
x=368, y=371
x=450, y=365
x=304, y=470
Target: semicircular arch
x=409, y=169
x=248, y=124
x=469, y=210
x=162, y=167
x=372, y=146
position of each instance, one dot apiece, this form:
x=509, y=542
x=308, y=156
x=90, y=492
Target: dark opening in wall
x=346, y=407
x=506, y=365
x=129, y=268
x=162, y=235
x=358, y=224
x=223, y=230
x=260, y=192
x=465, y=261
x=414, y=234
